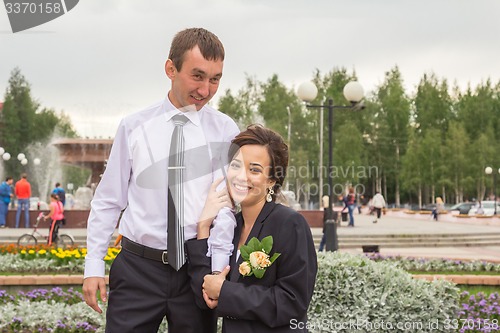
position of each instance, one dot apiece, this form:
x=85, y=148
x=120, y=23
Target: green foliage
x=75, y=175
x=393, y=117
x=23, y=121
x=411, y=145
x=242, y=107
x=353, y=289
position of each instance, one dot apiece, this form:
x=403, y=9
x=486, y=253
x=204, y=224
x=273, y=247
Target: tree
x=411, y=171
x=394, y=114
x=433, y=105
x=23, y=121
x=243, y=106
x=455, y=155
x=350, y=166
x=479, y=110
x=431, y=161
x=17, y=119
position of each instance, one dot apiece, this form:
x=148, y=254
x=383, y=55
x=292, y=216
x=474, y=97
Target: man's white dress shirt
x=135, y=180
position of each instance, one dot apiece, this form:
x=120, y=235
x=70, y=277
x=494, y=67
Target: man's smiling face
x=196, y=82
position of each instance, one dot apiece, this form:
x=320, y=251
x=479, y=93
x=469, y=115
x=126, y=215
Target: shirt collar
x=171, y=110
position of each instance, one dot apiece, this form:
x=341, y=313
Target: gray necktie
x=175, y=246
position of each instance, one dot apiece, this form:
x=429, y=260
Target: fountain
x=87, y=153
x=82, y=198
x=45, y=170
x=43, y=164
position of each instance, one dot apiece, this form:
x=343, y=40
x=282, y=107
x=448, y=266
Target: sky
x=105, y=59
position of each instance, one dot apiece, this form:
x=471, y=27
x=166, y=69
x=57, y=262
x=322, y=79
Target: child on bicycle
x=57, y=215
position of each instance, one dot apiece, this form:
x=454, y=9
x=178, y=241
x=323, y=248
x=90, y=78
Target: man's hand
x=90, y=287
x=212, y=284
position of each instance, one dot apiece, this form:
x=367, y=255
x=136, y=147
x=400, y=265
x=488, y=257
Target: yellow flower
x=23, y=251
x=31, y=251
x=42, y=252
x=245, y=268
x=259, y=260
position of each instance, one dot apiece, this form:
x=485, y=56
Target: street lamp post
x=489, y=171
x=353, y=92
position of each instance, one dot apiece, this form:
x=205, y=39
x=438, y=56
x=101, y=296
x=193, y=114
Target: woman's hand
x=212, y=284
x=215, y=201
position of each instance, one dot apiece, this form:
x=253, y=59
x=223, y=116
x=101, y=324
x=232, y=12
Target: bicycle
x=62, y=240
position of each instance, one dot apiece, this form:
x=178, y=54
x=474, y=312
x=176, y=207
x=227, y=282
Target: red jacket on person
x=23, y=189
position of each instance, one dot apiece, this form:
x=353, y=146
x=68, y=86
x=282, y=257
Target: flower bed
x=41, y=259
x=54, y=310
x=349, y=288
x=478, y=313
x=42, y=310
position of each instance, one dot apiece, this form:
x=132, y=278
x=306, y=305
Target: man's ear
x=170, y=69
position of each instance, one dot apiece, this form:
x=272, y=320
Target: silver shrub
x=355, y=294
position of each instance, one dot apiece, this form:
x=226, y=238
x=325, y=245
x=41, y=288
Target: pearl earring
x=269, y=196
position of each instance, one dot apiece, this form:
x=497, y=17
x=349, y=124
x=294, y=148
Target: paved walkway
x=399, y=223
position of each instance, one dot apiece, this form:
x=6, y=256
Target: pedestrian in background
x=59, y=191
x=350, y=202
x=5, y=197
x=378, y=203
x=438, y=209
x=326, y=216
x=23, y=194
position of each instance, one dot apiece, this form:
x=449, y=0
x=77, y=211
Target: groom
x=144, y=286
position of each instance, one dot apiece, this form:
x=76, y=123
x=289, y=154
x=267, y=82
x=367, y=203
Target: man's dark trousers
x=144, y=291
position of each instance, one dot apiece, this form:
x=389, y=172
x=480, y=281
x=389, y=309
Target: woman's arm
x=289, y=297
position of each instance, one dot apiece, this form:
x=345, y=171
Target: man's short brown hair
x=209, y=44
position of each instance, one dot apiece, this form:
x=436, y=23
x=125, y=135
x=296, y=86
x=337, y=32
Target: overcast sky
x=104, y=59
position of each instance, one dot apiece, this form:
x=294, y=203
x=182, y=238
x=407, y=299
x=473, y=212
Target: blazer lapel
x=234, y=273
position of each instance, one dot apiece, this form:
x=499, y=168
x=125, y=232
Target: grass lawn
x=474, y=289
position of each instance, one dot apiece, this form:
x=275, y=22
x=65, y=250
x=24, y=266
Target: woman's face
x=248, y=175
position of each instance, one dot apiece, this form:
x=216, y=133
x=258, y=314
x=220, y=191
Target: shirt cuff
x=219, y=262
x=94, y=267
